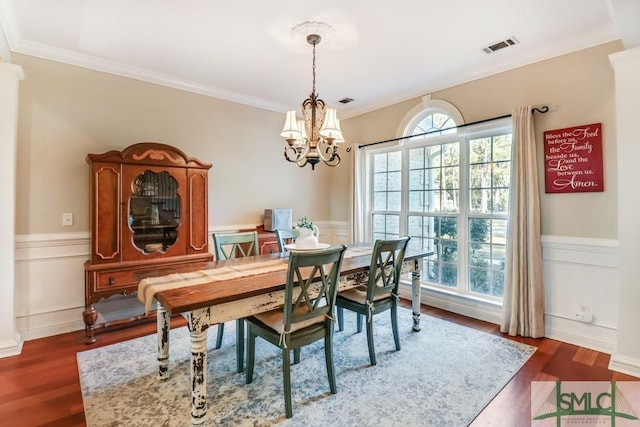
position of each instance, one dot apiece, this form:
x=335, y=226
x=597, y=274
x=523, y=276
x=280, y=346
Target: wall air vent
x=501, y=45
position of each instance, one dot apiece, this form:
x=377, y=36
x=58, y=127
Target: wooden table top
x=181, y=300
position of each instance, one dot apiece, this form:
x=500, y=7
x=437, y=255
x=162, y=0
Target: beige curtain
x=523, y=301
x=357, y=214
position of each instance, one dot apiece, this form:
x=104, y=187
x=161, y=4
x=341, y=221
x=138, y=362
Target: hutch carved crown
x=148, y=207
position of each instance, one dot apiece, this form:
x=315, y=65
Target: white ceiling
x=379, y=53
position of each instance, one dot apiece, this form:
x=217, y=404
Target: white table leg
x=164, y=325
x=198, y=325
x=415, y=296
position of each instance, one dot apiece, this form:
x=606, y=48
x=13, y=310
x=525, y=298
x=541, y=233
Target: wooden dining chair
x=285, y=236
x=381, y=293
x=235, y=245
x=307, y=315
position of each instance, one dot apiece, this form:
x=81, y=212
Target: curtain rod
x=542, y=110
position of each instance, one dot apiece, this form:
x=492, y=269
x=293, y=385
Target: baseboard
x=626, y=365
x=51, y=323
x=589, y=335
x=11, y=348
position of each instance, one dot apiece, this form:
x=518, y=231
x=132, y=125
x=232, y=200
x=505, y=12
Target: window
x=448, y=190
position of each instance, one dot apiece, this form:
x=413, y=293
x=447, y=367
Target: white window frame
x=461, y=136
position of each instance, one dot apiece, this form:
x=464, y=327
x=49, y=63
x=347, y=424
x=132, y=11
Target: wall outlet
x=585, y=317
x=67, y=219
x=584, y=309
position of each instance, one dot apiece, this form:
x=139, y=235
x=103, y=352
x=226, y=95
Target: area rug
x=444, y=375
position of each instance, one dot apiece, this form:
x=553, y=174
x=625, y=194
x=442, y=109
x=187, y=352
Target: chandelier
x=316, y=137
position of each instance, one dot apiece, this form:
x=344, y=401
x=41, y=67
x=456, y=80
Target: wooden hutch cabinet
x=148, y=207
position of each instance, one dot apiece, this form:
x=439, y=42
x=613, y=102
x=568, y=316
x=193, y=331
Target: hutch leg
x=164, y=323
x=90, y=316
x=198, y=325
x=415, y=297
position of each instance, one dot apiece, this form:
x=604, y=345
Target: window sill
x=466, y=305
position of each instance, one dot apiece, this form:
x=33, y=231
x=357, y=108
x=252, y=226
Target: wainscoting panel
x=49, y=283
x=579, y=274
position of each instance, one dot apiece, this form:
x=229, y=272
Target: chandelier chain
x=313, y=90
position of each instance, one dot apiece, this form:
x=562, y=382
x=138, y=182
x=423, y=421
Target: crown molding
x=137, y=73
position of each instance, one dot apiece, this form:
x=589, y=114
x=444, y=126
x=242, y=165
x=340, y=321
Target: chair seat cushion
x=275, y=319
x=360, y=296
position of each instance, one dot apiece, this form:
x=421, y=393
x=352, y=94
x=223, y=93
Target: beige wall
x=67, y=112
x=579, y=89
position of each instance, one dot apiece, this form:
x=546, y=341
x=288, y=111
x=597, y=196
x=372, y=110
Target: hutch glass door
x=154, y=211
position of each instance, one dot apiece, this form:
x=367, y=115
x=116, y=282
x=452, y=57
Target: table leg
x=415, y=296
x=198, y=325
x=163, y=320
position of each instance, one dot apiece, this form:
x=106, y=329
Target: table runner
x=149, y=286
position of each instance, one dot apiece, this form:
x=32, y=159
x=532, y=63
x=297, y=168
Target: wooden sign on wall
x=573, y=159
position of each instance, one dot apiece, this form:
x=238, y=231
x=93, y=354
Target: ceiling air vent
x=501, y=45
x=346, y=100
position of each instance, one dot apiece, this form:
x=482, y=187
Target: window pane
x=480, y=150
x=414, y=226
x=393, y=226
x=501, y=147
x=501, y=201
x=380, y=201
x=497, y=288
x=448, y=227
x=394, y=181
x=451, y=154
x=386, y=227
x=499, y=231
x=380, y=182
x=451, y=201
x=416, y=158
x=416, y=179
x=479, y=280
x=501, y=174
x=395, y=161
x=433, y=123
x=380, y=162
x=479, y=230
x=480, y=176
x=393, y=203
x=378, y=223
x=451, y=175
x=432, y=158
x=480, y=201
x=487, y=253
x=432, y=201
x=416, y=200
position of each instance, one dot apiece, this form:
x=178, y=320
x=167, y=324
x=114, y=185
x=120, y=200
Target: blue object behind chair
x=285, y=236
x=235, y=245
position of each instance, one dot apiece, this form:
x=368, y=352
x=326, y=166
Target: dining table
x=215, y=292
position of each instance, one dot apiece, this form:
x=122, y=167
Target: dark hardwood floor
x=41, y=387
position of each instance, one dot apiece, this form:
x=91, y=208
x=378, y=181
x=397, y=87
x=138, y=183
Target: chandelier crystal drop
x=316, y=136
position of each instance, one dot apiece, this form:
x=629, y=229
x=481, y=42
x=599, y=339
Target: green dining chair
x=235, y=245
x=381, y=293
x=285, y=236
x=307, y=315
